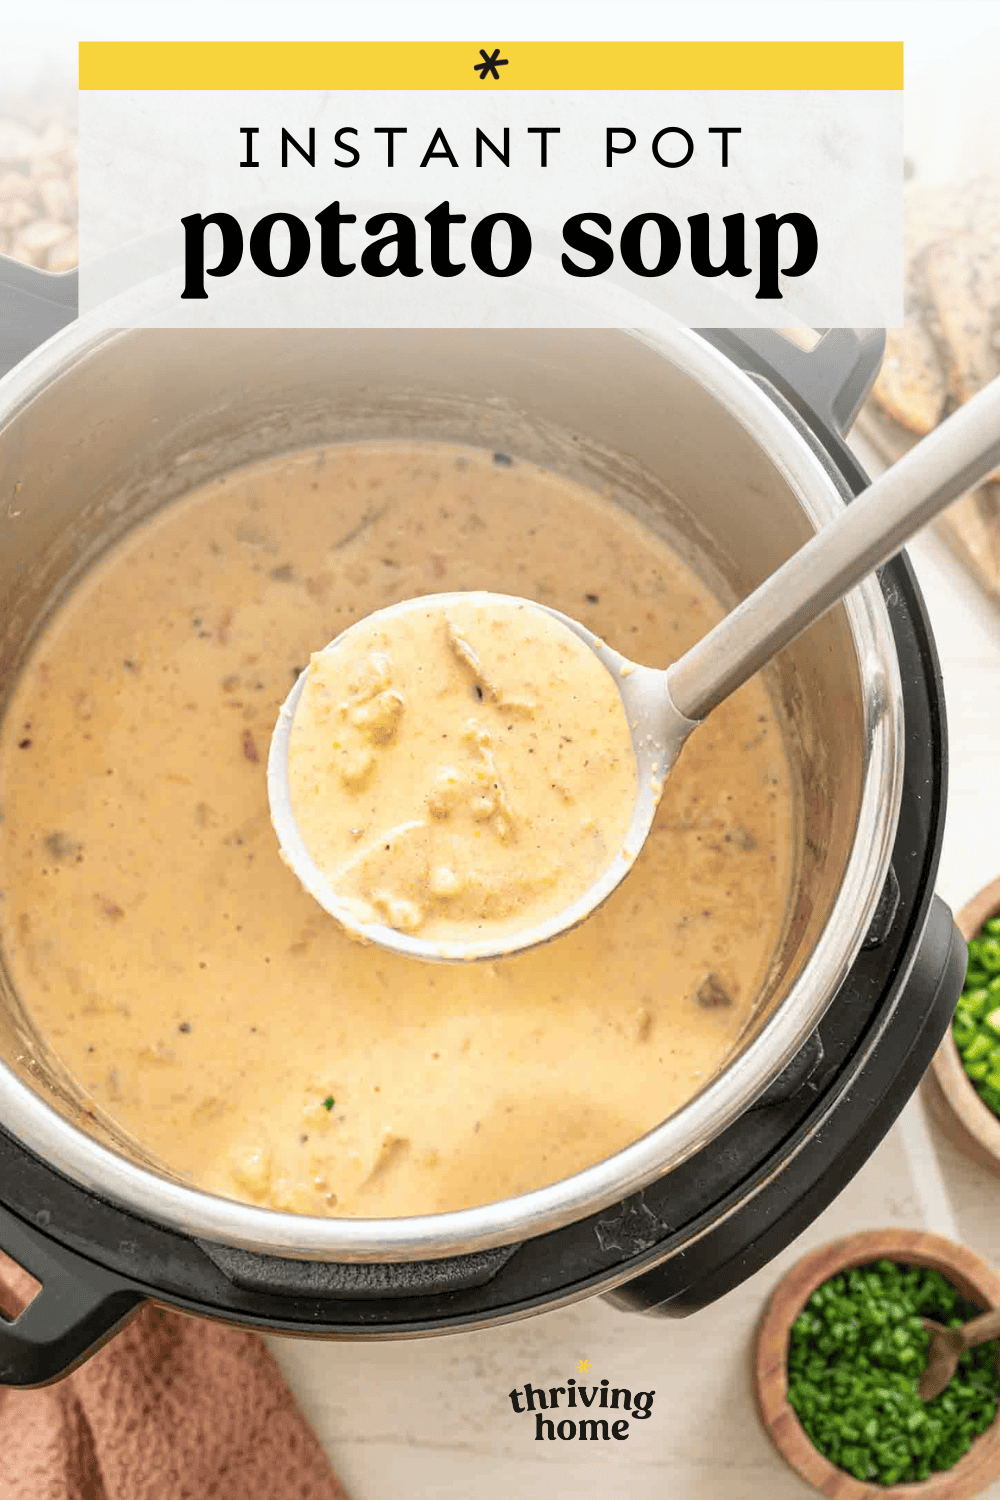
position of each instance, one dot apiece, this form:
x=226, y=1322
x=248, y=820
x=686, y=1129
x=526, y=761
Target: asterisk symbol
x=489, y=64
x=583, y=1366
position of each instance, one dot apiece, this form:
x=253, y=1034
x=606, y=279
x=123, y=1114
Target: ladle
x=663, y=707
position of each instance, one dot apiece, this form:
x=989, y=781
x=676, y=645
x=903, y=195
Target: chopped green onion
x=855, y=1355
x=976, y=1027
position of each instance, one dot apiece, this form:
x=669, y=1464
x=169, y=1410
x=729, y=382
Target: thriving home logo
x=602, y=1397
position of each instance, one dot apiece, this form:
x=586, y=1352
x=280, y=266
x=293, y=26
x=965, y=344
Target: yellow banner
x=397, y=66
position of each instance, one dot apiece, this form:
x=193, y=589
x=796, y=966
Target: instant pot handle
x=80, y=1305
x=827, y=384
x=33, y=306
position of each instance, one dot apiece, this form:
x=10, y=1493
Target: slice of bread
x=952, y=291
x=963, y=281
x=948, y=349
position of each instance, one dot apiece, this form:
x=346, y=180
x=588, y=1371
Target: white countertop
x=432, y=1417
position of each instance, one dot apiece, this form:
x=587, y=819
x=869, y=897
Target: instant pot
x=736, y=441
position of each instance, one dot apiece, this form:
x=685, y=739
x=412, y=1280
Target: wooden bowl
x=970, y=1276
x=956, y=1107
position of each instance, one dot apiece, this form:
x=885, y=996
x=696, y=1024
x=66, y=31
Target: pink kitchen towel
x=172, y=1408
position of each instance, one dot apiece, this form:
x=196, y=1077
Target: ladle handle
x=979, y=1330
x=945, y=464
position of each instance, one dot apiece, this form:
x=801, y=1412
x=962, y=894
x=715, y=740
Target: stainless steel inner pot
x=97, y=430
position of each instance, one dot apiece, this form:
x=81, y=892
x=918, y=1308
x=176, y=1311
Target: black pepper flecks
x=59, y=845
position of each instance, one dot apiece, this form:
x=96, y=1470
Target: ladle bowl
x=658, y=733
x=663, y=707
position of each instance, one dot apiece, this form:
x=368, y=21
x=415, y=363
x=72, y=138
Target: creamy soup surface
x=460, y=770
x=201, y=996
